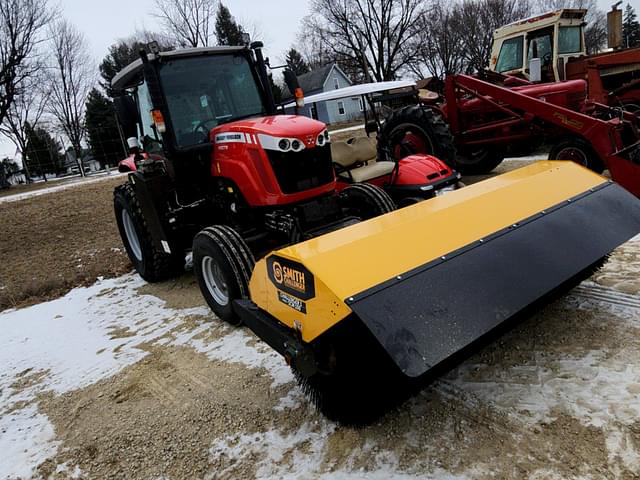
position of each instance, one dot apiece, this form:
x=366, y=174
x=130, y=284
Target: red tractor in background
x=511, y=110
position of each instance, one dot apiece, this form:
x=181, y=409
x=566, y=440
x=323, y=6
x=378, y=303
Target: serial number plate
x=292, y=302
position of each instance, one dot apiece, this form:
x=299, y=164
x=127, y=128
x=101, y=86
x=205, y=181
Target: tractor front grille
x=299, y=171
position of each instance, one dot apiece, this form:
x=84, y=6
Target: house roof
x=314, y=80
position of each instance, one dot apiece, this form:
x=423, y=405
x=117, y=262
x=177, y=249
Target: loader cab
x=538, y=48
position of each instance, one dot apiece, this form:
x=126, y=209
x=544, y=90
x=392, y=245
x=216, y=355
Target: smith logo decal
x=291, y=277
x=292, y=302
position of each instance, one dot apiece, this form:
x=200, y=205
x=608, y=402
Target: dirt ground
x=145, y=383
x=53, y=242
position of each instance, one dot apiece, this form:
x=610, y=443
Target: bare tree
x=27, y=108
x=21, y=26
x=440, y=49
x=372, y=34
x=478, y=21
x=190, y=22
x=71, y=80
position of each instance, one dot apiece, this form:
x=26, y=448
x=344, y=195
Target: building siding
x=328, y=112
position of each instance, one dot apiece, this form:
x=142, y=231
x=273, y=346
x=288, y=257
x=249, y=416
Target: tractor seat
x=355, y=160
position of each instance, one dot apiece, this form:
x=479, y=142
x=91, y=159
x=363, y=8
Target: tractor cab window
x=144, y=108
x=510, y=57
x=540, y=46
x=206, y=91
x=569, y=40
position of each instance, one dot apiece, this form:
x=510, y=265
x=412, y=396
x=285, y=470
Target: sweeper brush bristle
x=358, y=381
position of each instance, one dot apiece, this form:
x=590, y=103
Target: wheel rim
x=574, y=154
x=132, y=235
x=408, y=140
x=214, y=280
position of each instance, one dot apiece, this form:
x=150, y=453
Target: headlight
x=326, y=135
x=284, y=144
x=320, y=140
x=280, y=144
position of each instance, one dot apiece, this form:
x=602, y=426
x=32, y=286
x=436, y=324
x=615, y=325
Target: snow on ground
x=90, y=334
x=93, y=333
x=56, y=188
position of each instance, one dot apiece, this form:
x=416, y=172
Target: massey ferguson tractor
x=214, y=152
x=364, y=302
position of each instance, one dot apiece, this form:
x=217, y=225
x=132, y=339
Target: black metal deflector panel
x=429, y=314
x=279, y=337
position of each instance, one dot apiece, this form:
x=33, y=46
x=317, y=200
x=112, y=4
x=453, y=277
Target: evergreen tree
x=630, y=28
x=296, y=63
x=42, y=152
x=275, y=90
x=7, y=168
x=228, y=32
x=122, y=54
x=102, y=130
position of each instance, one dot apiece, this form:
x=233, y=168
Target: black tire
x=223, y=264
x=152, y=264
x=416, y=129
x=579, y=151
x=478, y=162
x=366, y=201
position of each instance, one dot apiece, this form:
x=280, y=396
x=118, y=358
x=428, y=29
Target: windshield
x=205, y=91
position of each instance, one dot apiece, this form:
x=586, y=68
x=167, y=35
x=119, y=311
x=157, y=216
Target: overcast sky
x=105, y=21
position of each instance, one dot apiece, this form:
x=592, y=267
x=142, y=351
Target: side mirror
x=291, y=79
x=535, y=70
x=127, y=114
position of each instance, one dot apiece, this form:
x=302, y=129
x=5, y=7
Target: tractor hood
x=284, y=126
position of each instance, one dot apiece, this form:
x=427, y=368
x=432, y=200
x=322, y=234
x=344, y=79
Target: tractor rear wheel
x=223, y=264
x=366, y=201
x=579, y=151
x=416, y=129
x=152, y=264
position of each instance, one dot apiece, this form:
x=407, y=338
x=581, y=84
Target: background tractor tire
x=366, y=201
x=223, y=264
x=152, y=264
x=579, y=151
x=478, y=162
x=416, y=129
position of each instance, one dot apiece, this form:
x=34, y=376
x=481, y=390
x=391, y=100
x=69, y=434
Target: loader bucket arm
x=430, y=279
x=606, y=137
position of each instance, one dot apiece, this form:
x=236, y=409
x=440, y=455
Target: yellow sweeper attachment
x=364, y=312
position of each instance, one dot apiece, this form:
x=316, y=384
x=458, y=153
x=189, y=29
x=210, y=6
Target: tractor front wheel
x=152, y=264
x=579, y=151
x=223, y=264
x=366, y=201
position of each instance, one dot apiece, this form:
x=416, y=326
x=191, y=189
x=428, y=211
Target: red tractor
x=214, y=151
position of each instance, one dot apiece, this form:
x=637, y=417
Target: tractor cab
x=538, y=48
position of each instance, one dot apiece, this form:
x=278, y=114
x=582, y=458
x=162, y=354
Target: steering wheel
x=202, y=127
x=546, y=59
